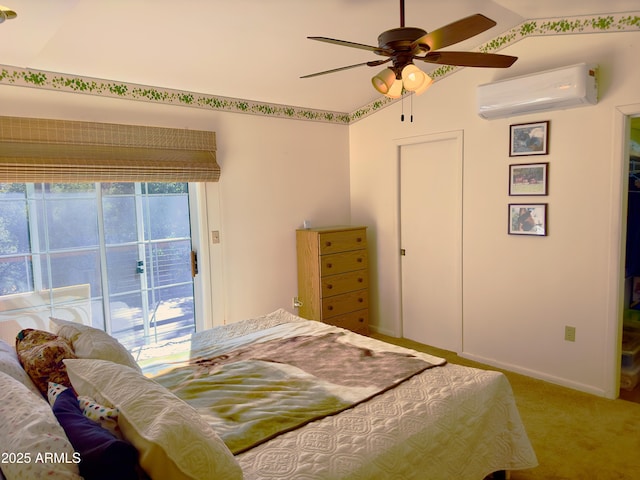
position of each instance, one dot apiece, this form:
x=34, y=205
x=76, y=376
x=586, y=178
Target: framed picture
x=529, y=139
x=528, y=179
x=528, y=219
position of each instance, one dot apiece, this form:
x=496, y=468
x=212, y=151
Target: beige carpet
x=575, y=435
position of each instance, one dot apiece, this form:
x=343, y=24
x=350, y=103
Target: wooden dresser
x=333, y=276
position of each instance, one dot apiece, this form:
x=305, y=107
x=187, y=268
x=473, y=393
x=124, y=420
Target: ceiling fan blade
x=455, y=32
x=373, y=63
x=469, y=59
x=344, y=43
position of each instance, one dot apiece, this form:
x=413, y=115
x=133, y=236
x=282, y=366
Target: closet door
x=431, y=238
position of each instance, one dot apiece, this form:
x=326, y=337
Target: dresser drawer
x=355, y=321
x=345, y=303
x=334, y=242
x=344, y=282
x=343, y=262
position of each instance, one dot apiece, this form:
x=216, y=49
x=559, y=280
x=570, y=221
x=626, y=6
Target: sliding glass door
x=131, y=242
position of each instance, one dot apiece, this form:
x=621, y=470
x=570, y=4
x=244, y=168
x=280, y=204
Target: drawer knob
x=328, y=244
x=358, y=239
x=360, y=259
x=361, y=319
x=329, y=265
x=360, y=280
x=330, y=307
x=329, y=286
x=360, y=300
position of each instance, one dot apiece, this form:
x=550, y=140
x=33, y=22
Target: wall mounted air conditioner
x=557, y=89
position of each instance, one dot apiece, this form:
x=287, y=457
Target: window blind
x=64, y=151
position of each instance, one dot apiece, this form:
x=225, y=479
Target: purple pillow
x=102, y=455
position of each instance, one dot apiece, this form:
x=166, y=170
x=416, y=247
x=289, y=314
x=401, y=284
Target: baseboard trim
x=382, y=331
x=537, y=374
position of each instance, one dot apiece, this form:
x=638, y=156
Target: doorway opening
x=630, y=361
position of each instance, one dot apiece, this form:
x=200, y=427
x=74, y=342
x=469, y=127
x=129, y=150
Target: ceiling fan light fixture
x=6, y=13
x=396, y=89
x=423, y=88
x=413, y=78
x=384, y=80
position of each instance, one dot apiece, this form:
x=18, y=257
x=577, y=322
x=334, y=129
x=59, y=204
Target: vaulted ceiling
x=248, y=49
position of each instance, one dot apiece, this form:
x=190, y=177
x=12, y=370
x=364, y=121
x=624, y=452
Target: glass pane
x=14, y=226
x=118, y=188
x=127, y=323
x=122, y=262
x=172, y=312
x=165, y=188
x=15, y=275
x=15, y=260
x=72, y=268
x=77, y=189
x=72, y=222
x=16, y=188
x=119, y=219
x=167, y=216
x=169, y=263
x=97, y=313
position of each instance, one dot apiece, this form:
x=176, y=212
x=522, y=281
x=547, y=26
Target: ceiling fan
x=404, y=45
x=6, y=14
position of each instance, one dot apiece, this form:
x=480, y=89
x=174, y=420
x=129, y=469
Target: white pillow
x=89, y=342
x=173, y=441
x=10, y=365
x=30, y=432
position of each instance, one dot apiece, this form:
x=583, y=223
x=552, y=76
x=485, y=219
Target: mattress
x=448, y=422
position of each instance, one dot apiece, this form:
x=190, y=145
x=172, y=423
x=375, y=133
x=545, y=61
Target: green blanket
x=258, y=391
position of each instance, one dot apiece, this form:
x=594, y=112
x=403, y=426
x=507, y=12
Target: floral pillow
x=41, y=354
x=10, y=365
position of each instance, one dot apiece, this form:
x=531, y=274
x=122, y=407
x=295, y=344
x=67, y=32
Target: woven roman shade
x=62, y=151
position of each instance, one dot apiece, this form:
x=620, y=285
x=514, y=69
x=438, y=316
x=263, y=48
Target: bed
x=267, y=398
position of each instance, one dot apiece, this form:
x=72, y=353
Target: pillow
x=10, y=365
x=30, y=431
x=89, y=342
x=106, y=417
x=173, y=441
x=41, y=354
x=102, y=455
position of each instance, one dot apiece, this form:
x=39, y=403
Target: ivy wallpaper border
x=531, y=28
x=16, y=76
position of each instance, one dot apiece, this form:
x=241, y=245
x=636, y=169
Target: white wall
x=519, y=292
x=275, y=174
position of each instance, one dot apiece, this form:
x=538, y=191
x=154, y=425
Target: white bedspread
x=449, y=422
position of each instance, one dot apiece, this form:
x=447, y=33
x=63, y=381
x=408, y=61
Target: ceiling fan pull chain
x=411, y=108
x=402, y=115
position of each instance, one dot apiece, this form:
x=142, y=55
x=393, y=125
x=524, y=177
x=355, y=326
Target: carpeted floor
x=576, y=436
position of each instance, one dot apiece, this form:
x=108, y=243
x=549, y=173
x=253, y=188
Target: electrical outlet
x=215, y=236
x=570, y=333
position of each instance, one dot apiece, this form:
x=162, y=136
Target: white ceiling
x=248, y=49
